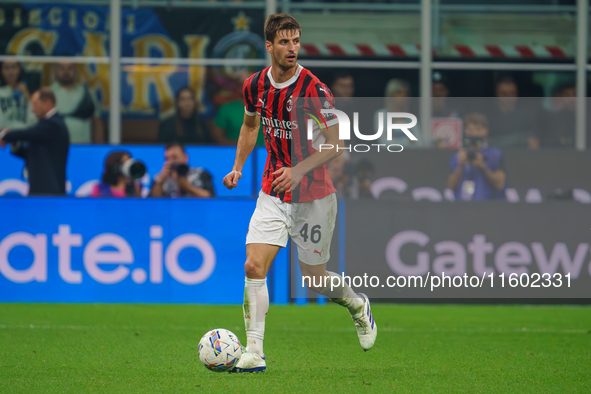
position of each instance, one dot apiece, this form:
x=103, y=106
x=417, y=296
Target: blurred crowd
x=478, y=129
x=214, y=115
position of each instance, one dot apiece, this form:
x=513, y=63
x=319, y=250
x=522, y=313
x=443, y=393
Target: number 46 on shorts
x=315, y=234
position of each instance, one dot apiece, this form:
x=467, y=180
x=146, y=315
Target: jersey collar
x=286, y=83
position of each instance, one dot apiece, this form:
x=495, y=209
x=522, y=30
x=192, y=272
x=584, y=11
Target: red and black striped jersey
x=284, y=109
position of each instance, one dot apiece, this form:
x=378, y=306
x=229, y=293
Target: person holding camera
x=120, y=176
x=177, y=179
x=477, y=169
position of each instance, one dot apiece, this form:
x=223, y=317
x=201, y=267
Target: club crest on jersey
x=326, y=104
x=289, y=105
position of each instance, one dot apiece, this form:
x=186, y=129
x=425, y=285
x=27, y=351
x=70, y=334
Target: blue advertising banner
x=86, y=163
x=128, y=250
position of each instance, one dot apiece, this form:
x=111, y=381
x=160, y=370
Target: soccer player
x=297, y=197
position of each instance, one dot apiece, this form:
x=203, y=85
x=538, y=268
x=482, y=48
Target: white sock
x=342, y=294
x=255, y=307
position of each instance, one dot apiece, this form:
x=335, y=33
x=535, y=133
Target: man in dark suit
x=44, y=146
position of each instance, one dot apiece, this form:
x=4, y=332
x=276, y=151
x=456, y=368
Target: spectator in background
x=340, y=174
x=364, y=176
x=558, y=129
x=44, y=146
x=77, y=105
x=446, y=127
x=113, y=182
x=177, y=179
x=397, y=99
x=15, y=107
x=511, y=119
x=343, y=89
x=442, y=107
x=477, y=170
x=185, y=126
x=343, y=85
x=229, y=118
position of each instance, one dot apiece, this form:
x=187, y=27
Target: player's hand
x=296, y=178
x=231, y=180
x=282, y=181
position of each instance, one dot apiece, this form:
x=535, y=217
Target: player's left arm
x=290, y=178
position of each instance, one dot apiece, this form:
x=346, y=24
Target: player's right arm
x=246, y=142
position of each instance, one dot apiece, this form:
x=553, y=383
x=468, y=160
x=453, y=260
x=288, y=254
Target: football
x=219, y=350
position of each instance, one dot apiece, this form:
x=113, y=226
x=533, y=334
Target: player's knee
x=253, y=270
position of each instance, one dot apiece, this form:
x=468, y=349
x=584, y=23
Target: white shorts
x=310, y=225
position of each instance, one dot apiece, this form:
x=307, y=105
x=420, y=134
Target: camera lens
x=181, y=169
x=133, y=168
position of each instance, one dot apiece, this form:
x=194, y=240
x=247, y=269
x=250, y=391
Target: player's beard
x=282, y=62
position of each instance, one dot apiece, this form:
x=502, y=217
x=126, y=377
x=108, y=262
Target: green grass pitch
x=419, y=349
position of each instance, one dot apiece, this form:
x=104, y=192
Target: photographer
x=119, y=177
x=477, y=169
x=177, y=179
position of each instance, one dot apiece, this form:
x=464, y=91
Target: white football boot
x=250, y=362
x=367, y=329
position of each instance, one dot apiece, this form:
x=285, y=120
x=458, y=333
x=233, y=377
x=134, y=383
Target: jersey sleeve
x=321, y=98
x=249, y=107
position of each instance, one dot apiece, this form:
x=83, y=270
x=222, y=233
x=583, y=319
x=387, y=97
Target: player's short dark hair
x=277, y=22
x=173, y=144
x=46, y=94
x=477, y=119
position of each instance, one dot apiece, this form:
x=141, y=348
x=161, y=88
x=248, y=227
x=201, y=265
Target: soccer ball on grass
x=219, y=350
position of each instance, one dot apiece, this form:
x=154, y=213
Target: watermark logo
x=393, y=120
